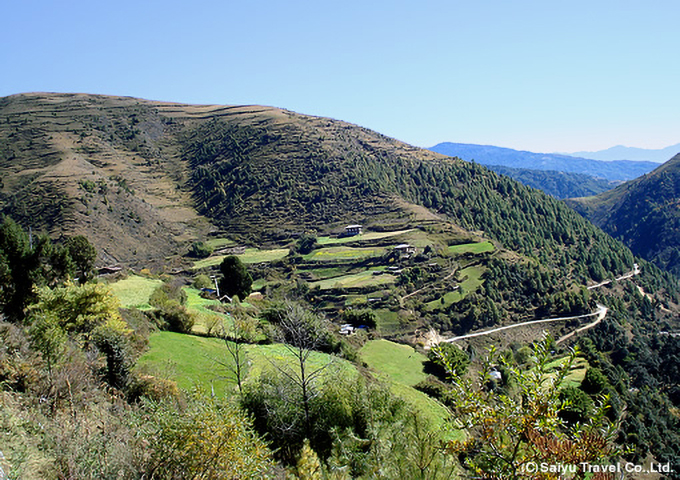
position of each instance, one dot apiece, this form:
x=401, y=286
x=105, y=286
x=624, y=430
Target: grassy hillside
x=144, y=179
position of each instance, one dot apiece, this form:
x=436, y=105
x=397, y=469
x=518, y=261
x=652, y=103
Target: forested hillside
x=143, y=179
x=644, y=214
x=556, y=184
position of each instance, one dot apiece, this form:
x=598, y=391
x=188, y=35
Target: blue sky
x=536, y=75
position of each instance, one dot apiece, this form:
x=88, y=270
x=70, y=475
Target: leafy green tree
x=308, y=465
x=18, y=269
x=48, y=338
x=445, y=359
x=594, y=382
x=27, y=262
x=203, y=281
x=576, y=407
x=170, y=311
x=305, y=244
x=89, y=314
x=200, y=250
x=236, y=281
x=360, y=317
x=83, y=254
x=206, y=439
x=512, y=428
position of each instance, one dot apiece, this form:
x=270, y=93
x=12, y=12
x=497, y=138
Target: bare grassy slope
x=122, y=170
x=99, y=166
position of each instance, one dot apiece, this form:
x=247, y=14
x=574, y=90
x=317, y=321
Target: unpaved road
x=601, y=313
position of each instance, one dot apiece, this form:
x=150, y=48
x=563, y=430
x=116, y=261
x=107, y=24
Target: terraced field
x=472, y=280
x=251, y=255
x=356, y=280
x=363, y=237
x=334, y=254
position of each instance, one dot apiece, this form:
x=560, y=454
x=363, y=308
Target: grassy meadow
x=402, y=367
x=472, y=280
x=134, y=291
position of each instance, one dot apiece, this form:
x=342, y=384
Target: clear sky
x=536, y=75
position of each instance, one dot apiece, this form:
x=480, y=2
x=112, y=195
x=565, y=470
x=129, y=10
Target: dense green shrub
x=200, y=250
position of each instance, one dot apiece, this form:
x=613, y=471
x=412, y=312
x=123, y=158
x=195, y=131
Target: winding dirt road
x=601, y=313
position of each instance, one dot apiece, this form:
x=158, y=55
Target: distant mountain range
x=631, y=153
x=617, y=171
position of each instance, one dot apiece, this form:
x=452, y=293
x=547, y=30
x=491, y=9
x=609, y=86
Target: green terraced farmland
x=476, y=248
x=134, y=291
x=473, y=280
x=334, y=254
x=220, y=242
x=356, y=280
x=362, y=237
x=251, y=255
x=204, y=316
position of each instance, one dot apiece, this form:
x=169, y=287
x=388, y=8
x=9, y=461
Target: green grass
x=251, y=255
x=402, y=367
x=476, y=248
x=473, y=280
x=204, y=316
x=326, y=272
x=356, y=300
x=193, y=361
x=219, y=242
x=431, y=409
x=134, y=291
x=576, y=374
x=189, y=360
x=358, y=238
x=356, y=280
x=264, y=357
x=402, y=363
x=331, y=254
x=387, y=321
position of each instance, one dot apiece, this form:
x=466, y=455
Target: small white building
x=351, y=230
x=346, y=329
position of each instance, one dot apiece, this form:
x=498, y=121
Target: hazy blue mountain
x=631, y=153
x=620, y=170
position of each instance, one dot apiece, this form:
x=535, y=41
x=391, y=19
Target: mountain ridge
x=622, y=170
x=643, y=214
x=144, y=179
x=621, y=152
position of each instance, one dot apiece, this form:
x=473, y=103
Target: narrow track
x=601, y=313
